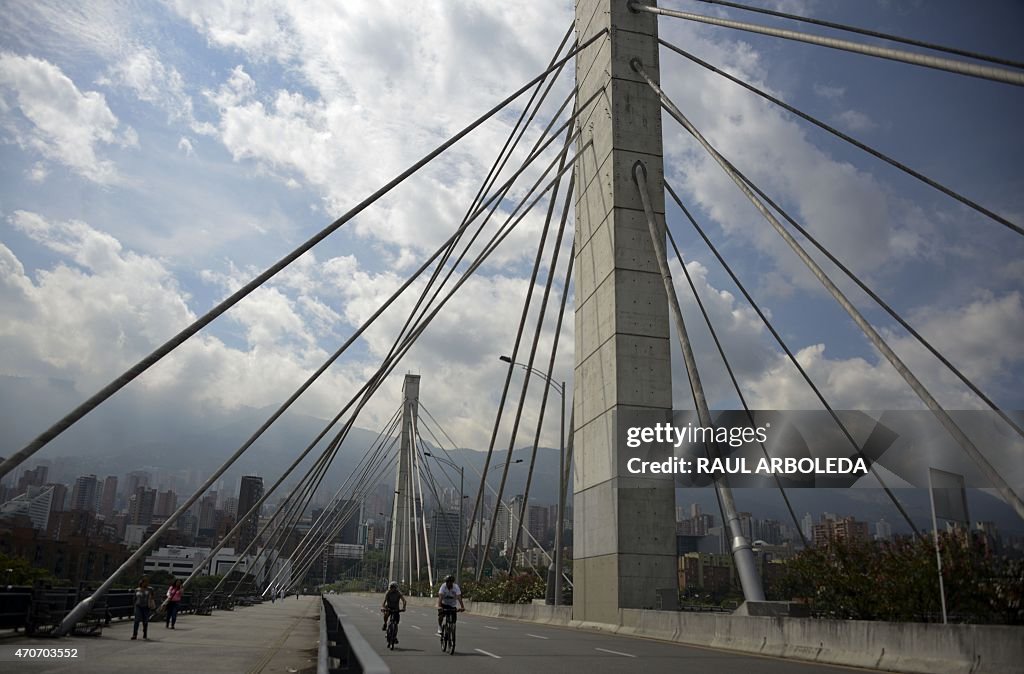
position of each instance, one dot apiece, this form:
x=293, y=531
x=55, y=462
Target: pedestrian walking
x=144, y=605
x=173, y=601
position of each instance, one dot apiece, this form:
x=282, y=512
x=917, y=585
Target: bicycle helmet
x=393, y=585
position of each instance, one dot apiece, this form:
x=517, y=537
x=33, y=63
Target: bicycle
x=448, y=630
x=392, y=632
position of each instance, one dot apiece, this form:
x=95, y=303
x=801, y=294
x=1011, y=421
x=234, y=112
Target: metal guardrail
x=343, y=648
x=38, y=610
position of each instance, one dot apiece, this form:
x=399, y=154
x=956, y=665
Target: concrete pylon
x=624, y=551
x=403, y=530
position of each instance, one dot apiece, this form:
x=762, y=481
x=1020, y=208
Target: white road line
x=417, y=627
x=490, y=628
x=536, y=636
x=605, y=650
x=480, y=650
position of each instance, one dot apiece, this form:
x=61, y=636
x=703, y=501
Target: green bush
x=519, y=589
x=899, y=581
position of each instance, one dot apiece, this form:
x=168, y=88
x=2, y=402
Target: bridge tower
x=624, y=550
x=403, y=512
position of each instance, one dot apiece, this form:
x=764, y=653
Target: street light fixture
x=559, y=532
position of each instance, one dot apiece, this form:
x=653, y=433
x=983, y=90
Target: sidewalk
x=278, y=637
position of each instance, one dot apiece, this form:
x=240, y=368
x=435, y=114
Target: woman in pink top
x=173, y=602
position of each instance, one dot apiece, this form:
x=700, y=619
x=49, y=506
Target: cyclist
x=390, y=606
x=448, y=596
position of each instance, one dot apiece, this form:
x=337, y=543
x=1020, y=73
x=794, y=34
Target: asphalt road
x=496, y=645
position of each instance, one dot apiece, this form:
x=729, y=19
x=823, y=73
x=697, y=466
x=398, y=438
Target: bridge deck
x=487, y=644
x=278, y=637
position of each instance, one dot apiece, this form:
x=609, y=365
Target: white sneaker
x=438, y=631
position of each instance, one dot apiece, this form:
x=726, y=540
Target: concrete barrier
x=920, y=648
x=925, y=648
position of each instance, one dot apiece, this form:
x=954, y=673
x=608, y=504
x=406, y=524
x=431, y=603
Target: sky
x=156, y=156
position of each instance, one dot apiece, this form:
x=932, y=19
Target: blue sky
x=154, y=156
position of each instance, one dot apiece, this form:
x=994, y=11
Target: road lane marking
x=490, y=628
x=605, y=650
x=415, y=627
x=536, y=636
x=480, y=650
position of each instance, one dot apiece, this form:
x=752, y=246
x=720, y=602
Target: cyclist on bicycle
x=447, y=597
x=392, y=598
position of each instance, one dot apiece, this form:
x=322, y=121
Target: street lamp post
x=458, y=570
x=557, y=561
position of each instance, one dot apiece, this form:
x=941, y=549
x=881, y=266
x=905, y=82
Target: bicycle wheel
x=452, y=645
x=392, y=634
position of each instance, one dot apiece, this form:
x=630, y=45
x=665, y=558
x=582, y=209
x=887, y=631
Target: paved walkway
x=278, y=637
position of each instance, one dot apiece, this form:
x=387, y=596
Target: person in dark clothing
x=144, y=605
x=392, y=598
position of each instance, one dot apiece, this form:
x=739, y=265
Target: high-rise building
x=33, y=478
x=349, y=533
x=136, y=479
x=883, y=530
x=60, y=497
x=166, y=504
x=807, y=526
x=833, y=529
x=108, y=498
x=208, y=520
x=85, y=494
x=141, y=506
x=249, y=491
x=537, y=524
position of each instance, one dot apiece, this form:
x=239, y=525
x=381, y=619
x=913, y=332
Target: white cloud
x=37, y=173
x=103, y=306
x=185, y=145
x=830, y=92
x=973, y=337
x=63, y=123
x=373, y=99
x=854, y=120
x=846, y=208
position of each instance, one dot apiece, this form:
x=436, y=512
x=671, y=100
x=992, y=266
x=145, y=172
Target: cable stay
x=552, y=268
x=926, y=60
x=853, y=141
x=869, y=331
x=511, y=143
x=870, y=33
x=293, y=506
x=750, y=580
x=493, y=492
x=732, y=378
x=289, y=500
x=794, y=361
x=533, y=347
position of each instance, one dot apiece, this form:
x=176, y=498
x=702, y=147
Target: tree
x=18, y=571
x=899, y=581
